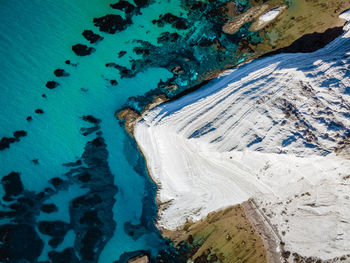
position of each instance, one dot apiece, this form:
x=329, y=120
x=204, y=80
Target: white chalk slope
x=267, y=130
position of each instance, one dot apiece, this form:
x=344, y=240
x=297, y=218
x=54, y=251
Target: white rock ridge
x=270, y=15
x=267, y=130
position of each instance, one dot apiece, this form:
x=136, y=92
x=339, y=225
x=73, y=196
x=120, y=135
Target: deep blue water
x=75, y=187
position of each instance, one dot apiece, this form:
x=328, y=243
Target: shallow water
x=36, y=39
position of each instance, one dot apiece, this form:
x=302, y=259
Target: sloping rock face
x=270, y=131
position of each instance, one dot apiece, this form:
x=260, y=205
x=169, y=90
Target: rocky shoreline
x=273, y=246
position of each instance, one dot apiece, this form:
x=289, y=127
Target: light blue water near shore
x=36, y=38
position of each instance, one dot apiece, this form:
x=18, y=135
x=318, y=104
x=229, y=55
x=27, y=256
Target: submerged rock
x=53, y=228
x=91, y=119
x=52, y=84
x=67, y=255
x=61, y=73
x=113, y=82
x=12, y=185
x=39, y=111
x=19, y=243
x=175, y=21
x=121, y=54
x=124, y=6
x=141, y=3
x=49, y=208
x=91, y=36
x=82, y=50
x=6, y=141
x=111, y=23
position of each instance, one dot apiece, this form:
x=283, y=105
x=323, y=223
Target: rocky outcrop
x=82, y=50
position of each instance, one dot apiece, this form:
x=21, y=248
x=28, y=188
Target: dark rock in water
x=135, y=231
x=44, y=96
x=111, y=23
x=49, y=190
x=49, y=208
x=113, y=82
x=123, y=71
x=12, y=185
x=205, y=42
x=91, y=36
x=88, y=131
x=121, y=54
x=91, y=119
x=29, y=118
x=67, y=255
x=111, y=65
x=175, y=21
x=90, y=242
x=54, y=242
x=57, y=182
x=91, y=214
x=90, y=218
x=84, y=177
x=19, y=134
x=52, y=84
x=73, y=164
x=53, y=228
x=168, y=37
x=124, y=6
x=35, y=161
x=19, y=243
x=82, y=50
x=87, y=200
x=141, y=51
x=67, y=62
x=6, y=141
x=61, y=73
x=39, y=111
x=141, y=3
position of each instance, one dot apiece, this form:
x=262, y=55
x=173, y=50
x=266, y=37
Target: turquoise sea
x=74, y=186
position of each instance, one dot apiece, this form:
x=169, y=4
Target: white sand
x=267, y=131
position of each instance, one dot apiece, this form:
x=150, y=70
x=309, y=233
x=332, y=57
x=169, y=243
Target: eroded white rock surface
x=269, y=131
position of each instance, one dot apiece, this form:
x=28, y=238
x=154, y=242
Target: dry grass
x=225, y=235
x=302, y=17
